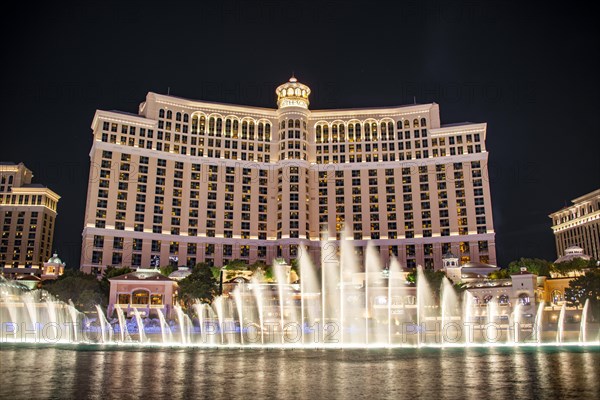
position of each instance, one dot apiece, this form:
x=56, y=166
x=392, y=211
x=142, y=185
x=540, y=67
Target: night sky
x=523, y=69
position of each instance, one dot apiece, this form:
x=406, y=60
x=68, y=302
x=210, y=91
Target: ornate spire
x=293, y=94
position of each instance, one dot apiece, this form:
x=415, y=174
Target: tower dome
x=293, y=94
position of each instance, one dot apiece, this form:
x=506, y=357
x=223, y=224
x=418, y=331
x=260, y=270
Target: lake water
x=122, y=372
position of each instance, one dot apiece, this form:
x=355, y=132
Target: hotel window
x=98, y=241
x=117, y=258
x=96, y=257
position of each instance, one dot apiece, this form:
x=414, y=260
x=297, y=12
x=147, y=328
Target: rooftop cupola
x=293, y=94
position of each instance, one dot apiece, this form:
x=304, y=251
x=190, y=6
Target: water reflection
x=122, y=372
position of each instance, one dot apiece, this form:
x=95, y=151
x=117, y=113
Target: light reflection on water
x=477, y=373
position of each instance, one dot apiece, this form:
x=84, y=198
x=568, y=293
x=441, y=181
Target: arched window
x=236, y=127
x=140, y=296
x=211, y=125
x=342, y=130
x=325, y=133
x=195, y=124
x=423, y=122
x=186, y=118
x=503, y=299
x=244, y=129
x=161, y=113
x=268, y=132
x=261, y=131
x=169, y=114
x=251, y=129
x=357, y=129
x=297, y=124
x=219, y=126
x=557, y=296
x=524, y=299
x=415, y=123
x=374, y=130
x=228, y=127
x=178, y=116
x=390, y=130
x=406, y=124
x=202, y=124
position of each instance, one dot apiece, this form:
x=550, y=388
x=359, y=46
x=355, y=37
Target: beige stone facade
x=145, y=290
x=27, y=220
x=578, y=225
x=191, y=181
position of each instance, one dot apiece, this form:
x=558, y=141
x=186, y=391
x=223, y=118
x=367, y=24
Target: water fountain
x=140, y=326
x=561, y=323
x=516, y=323
x=123, y=331
x=338, y=303
x=104, y=326
x=583, y=326
x=165, y=329
x=539, y=320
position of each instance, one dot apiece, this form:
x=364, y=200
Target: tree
x=534, y=265
x=199, y=285
x=84, y=290
x=87, y=300
x=111, y=272
x=585, y=287
x=167, y=270
x=433, y=278
x=257, y=265
x=216, y=271
x=236, y=264
x=503, y=273
x=577, y=264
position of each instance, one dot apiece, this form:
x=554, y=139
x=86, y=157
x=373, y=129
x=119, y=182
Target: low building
x=180, y=273
x=53, y=268
x=469, y=272
x=146, y=290
x=551, y=290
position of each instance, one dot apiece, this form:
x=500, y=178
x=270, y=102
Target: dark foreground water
x=33, y=372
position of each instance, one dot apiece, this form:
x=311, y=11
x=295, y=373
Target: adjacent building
x=144, y=290
x=578, y=225
x=27, y=217
x=186, y=181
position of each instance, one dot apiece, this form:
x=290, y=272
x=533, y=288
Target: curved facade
x=578, y=225
x=189, y=181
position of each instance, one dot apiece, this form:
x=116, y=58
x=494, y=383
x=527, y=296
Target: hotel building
x=186, y=181
x=27, y=217
x=578, y=225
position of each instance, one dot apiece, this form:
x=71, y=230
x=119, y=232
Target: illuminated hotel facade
x=188, y=181
x=578, y=225
x=27, y=217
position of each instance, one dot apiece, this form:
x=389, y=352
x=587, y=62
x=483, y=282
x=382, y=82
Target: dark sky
x=526, y=70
